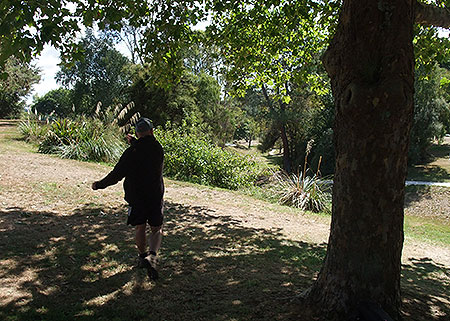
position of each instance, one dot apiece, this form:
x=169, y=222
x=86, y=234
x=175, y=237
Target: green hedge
x=197, y=160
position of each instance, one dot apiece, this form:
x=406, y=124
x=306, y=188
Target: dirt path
x=31, y=182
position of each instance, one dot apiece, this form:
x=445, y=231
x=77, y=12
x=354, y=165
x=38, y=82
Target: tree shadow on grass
x=425, y=286
x=431, y=173
x=415, y=193
x=427, y=171
x=81, y=267
x=276, y=159
x=440, y=151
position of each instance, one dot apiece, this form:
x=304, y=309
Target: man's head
x=144, y=127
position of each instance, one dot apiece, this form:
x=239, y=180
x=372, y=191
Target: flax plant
x=309, y=193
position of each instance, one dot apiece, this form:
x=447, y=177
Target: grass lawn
x=428, y=229
x=427, y=214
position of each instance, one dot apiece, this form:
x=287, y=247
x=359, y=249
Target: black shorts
x=138, y=215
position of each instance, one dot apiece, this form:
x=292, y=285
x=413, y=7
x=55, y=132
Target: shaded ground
x=75, y=268
x=66, y=254
x=437, y=168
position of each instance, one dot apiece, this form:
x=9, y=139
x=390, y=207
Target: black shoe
x=151, y=264
x=141, y=261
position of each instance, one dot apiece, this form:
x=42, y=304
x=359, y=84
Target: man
x=141, y=164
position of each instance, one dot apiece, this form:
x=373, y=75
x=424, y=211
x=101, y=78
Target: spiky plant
x=309, y=193
x=84, y=139
x=32, y=130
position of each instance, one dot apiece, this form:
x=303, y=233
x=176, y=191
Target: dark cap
x=143, y=125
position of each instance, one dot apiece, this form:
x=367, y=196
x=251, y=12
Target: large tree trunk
x=371, y=65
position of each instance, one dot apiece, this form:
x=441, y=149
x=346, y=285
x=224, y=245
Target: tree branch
x=266, y=96
x=430, y=15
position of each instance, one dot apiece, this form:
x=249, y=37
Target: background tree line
x=222, y=107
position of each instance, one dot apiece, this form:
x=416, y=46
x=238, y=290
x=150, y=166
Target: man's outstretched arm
x=119, y=172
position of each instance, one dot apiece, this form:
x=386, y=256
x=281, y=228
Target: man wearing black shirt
x=141, y=165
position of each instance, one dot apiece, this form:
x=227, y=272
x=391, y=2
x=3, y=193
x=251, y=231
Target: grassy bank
x=427, y=210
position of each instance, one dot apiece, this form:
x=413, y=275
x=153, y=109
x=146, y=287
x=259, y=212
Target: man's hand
x=130, y=138
x=94, y=186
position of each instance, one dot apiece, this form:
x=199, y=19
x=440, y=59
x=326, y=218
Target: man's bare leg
x=155, y=239
x=154, y=242
x=141, y=238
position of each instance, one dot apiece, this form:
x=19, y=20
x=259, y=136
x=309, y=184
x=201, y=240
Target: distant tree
x=307, y=118
x=430, y=108
x=181, y=102
x=247, y=129
x=58, y=101
x=445, y=90
x=204, y=57
x=273, y=47
x=310, y=122
x=149, y=99
x=133, y=37
x=296, y=122
x=175, y=103
x=194, y=102
x=99, y=77
x=15, y=86
x=218, y=117
x=254, y=109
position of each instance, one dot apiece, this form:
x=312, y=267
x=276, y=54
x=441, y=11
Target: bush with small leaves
x=195, y=159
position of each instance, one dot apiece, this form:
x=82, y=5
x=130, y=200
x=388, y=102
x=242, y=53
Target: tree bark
x=371, y=65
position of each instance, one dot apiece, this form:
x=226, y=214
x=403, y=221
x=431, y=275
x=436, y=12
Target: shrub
x=309, y=193
x=33, y=130
x=187, y=157
x=197, y=160
x=83, y=139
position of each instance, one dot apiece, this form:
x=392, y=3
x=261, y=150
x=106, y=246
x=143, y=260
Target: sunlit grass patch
x=428, y=229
